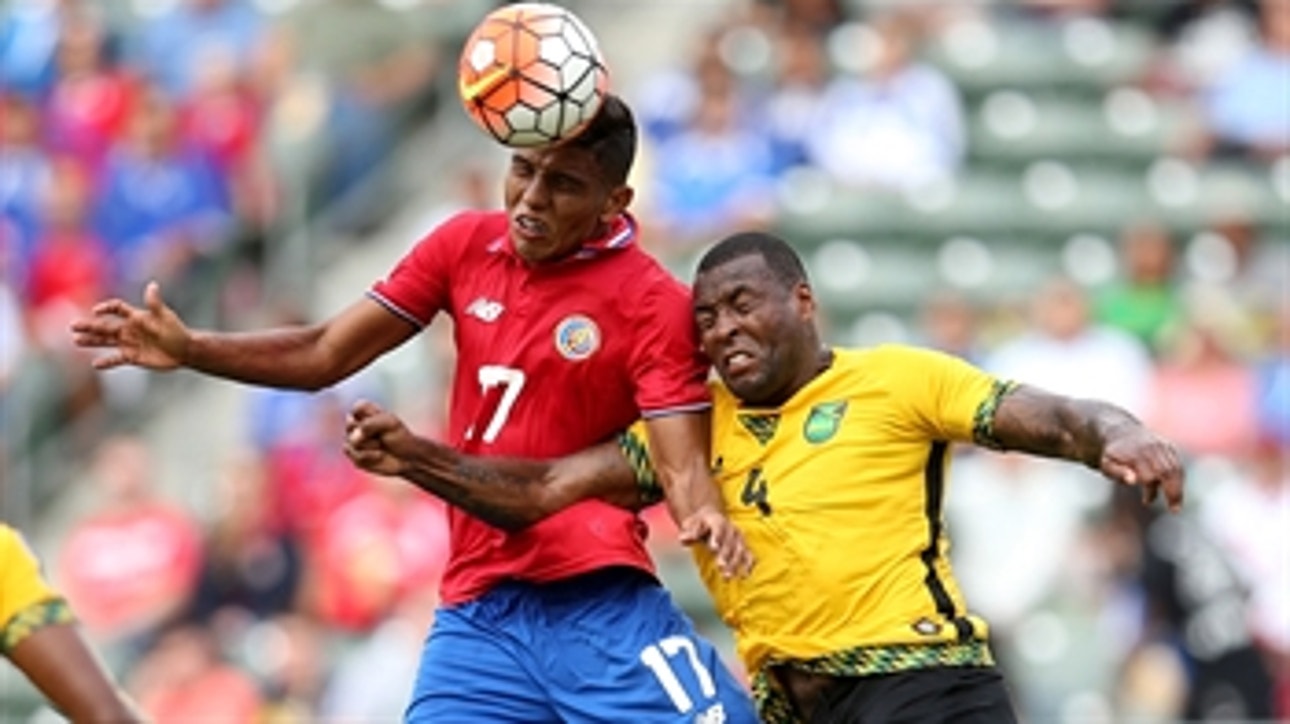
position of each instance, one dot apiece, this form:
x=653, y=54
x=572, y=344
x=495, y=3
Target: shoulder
x=899, y=370
x=646, y=281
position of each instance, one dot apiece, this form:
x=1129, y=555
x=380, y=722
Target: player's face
x=757, y=332
x=557, y=200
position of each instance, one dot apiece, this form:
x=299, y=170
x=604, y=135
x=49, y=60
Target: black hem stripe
x=934, y=495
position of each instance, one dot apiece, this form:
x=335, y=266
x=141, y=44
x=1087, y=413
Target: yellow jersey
x=27, y=602
x=839, y=494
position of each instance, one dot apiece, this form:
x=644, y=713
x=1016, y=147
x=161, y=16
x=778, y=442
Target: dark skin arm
x=512, y=493
x=1102, y=436
x=60, y=663
x=679, y=454
x=308, y=357
x=508, y=493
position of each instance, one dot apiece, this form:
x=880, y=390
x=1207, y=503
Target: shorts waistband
x=578, y=584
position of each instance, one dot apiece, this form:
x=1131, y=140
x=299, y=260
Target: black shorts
x=968, y=695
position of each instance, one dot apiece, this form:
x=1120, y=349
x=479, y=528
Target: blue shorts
x=609, y=646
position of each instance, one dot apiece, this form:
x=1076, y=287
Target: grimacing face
x=757, y=332
x=557, y=199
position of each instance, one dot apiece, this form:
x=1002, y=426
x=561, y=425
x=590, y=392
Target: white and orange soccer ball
x=531, y=74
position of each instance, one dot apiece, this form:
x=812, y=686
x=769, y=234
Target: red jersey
x=551, y=358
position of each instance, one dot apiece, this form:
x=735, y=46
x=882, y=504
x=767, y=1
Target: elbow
x=525, y=507
x=513, y=522
x=327, y=363
x=317, y=383
x=325, y=374
x=541, y=501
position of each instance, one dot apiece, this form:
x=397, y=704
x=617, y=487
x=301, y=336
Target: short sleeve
x=27, y=601
x=950, y=398
x=669, y=372
x=418, y=286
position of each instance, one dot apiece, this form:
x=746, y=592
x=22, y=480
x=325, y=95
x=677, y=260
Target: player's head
x=756, y=315
x=611, y=139
x=561, y=196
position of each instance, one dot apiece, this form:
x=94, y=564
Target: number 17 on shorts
x=691, y=685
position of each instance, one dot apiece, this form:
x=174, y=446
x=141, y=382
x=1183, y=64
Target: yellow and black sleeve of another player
x=27, y=602
x=50, y=612
x=634, y=444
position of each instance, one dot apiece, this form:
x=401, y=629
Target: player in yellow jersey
x=834, y=463
x=39, y=635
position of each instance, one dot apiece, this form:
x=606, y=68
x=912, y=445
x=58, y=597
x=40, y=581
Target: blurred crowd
x=183, y=142
x=178, y=145
x=871, y=95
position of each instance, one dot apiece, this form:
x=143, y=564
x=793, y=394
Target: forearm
x=1032, y=421
x=512, y=493
x=286, y=357
x=308, y=357
x=689, y=492
x=502, y=492
x=679, y=454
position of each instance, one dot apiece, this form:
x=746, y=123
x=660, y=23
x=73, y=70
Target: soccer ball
x=531, y=74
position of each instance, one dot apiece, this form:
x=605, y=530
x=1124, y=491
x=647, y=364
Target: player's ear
x=805, y=299
x=617, y=202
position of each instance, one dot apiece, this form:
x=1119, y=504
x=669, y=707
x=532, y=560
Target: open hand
x=1140, y=457
x=711, y=526
x=153, y=336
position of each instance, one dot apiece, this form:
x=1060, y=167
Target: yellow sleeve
x=27, y=602
x=952, y=399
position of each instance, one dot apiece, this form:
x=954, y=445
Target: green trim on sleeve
x=983, y=420
x=636, y=451
x=50, y=612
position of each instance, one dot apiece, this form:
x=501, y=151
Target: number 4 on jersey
x=755, y=492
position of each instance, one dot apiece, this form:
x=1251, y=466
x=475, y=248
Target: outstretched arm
x=303, y=357
x=508, y=493
x=1100, y=435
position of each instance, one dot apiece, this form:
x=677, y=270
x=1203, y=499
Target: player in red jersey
x=566, y=331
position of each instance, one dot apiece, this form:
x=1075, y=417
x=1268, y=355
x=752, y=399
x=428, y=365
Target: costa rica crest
x=577, y=337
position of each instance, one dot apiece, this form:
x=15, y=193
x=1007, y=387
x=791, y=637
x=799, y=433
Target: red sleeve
x=418, y=286
x=669, y=371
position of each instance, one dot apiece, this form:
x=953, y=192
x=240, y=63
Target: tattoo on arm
x=1030, y=420
x=504, y=493
x=513, y=493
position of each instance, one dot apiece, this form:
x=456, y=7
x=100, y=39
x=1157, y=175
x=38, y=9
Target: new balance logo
x=716, y=714
x=485, y=309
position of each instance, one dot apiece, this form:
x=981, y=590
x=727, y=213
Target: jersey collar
x=622, y=234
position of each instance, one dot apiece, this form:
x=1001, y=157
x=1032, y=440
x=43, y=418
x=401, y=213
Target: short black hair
x=611, y=138
x=778, y=254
